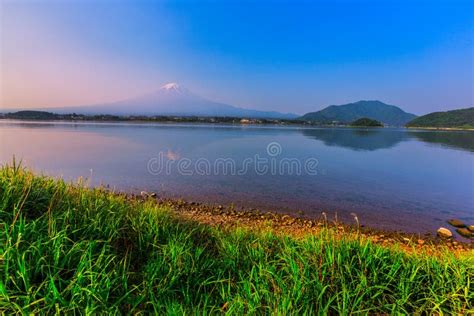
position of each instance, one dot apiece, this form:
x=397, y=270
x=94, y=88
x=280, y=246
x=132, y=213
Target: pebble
x=464, y=232
x=444, y=232
x=456, y=223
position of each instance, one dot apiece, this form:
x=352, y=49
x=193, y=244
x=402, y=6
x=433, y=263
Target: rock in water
x=464, y=232
x=444, y=232
x=456, y=223
x=471, y=228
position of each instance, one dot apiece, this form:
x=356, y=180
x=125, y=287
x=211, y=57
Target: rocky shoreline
x=229, y=217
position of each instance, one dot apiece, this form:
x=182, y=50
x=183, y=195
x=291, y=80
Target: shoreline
x=132, y=254
x=269, y=123
x=228, y=217
x=456, y=129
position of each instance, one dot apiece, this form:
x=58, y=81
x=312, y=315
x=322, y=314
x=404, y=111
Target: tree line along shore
x=462, y=119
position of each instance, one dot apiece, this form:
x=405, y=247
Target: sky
x=288, y=56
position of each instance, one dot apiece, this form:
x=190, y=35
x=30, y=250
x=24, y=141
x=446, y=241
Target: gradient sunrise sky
x=288, y=56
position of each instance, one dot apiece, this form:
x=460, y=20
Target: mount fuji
x=173, y=100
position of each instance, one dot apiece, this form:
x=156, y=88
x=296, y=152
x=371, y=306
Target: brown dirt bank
x=228, y=217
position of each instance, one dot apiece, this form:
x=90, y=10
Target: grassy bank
x=65, y=248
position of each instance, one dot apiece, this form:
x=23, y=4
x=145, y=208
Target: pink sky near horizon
x=43, y=66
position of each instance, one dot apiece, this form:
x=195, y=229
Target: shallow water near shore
x=397, y=179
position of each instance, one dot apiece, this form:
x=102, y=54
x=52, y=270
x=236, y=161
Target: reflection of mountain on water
x=373, y=139
x=460, y=140
x=357, y=139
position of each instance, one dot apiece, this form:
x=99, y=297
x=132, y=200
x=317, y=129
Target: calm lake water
x=391, y=178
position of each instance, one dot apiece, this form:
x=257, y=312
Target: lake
x=397, y=179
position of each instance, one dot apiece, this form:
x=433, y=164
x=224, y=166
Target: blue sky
x=281, y=55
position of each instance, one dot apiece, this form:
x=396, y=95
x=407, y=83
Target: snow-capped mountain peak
x=172, y=86
x=174, y=99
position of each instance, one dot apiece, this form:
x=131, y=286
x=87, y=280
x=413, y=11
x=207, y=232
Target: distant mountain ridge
x=388, y=114
x=462, y=118
x=173, y=100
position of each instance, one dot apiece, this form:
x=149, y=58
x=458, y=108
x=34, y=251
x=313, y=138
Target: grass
x=67, y=249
